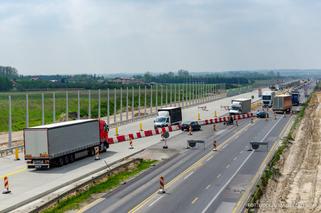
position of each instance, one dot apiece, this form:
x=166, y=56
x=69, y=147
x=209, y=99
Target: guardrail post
x=138, y=101
x=126, y=103
x=115, y=105
x=54, y=107
x=108, y=107
x=67, y=110
x=171, y=95
x=161, y=90
x=89, y=104
x=151, y=99
x=42, y=109
x=166, y=95
x=99, y=111
x=156, y=100
x=133, y=103
x=121, y=104
x=27, y=110
x=9, y=124
x=145, y=102
x=78, y=105
x=175, y=92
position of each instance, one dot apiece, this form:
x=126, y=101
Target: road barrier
x=161, y=184
x=10, y=151
x=6, y=185
x=148, y=133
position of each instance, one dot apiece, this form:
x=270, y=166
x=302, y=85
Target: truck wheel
x=66, y=159
x=72, y=158
x=60, y=161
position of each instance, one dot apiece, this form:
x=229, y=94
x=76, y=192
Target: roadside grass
x=113, y=181
x=272, y=171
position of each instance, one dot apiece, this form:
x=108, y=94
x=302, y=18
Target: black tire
x=60, y=161
x=66, y=159
x=72, y=158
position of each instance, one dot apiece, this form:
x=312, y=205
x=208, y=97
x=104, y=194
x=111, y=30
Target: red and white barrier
x=148, y=133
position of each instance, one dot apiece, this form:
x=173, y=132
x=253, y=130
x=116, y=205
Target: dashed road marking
x=195, y=199
x=208, y=186
x=228, y=165
x=187, y=176
x=235, y=158
x=219, y=175
x=152, y=203
x=208, y=159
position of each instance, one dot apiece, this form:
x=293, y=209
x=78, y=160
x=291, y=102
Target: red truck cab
x=103, y=132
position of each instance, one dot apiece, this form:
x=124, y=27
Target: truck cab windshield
x=235, y=108
x=266, y=97
x=161, y=119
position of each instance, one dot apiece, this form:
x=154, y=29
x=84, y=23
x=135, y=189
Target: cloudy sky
x=102, y=36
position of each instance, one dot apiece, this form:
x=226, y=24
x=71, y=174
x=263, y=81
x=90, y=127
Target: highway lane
x=199, y=182
x=144, y=185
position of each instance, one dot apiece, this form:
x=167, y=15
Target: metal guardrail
x=8, y=151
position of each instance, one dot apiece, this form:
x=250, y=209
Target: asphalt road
x=198, y=180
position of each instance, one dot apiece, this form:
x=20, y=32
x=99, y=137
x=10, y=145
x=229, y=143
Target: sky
x=130, y=36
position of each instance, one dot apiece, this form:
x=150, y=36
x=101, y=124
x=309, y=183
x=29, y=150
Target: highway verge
x=92, y=190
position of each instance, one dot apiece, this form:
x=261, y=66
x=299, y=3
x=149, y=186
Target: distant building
x=125, y=81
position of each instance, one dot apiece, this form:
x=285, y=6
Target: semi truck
x=240, y=106
x=267, y=98
x=282, y=103
x=168, y=116
x=58, y=144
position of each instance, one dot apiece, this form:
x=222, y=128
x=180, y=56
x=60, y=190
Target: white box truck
x=61, y=143
x=240, y=106
x=168, y=116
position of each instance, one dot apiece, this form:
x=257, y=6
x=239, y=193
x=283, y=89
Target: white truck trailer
x=240, y=106
x=60, y=143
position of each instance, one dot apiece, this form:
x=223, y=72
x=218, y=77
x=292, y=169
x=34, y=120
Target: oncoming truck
x=282, y=103
x=58, y=144
x=267, y=98
x=240, y=106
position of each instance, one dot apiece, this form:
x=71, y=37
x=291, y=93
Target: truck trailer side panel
x=73, y=138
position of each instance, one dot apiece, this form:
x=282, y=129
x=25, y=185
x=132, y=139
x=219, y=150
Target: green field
x=35, y=112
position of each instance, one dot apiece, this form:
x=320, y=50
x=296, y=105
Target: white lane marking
x=235, y=158
x=195, y=199
x=154, y=201
x=235, y=173
x=188, y=175
x=219, y=175
x=208, y=186
x=228, y=165
x=241, y=152
x=85, y=208
x=208, y=159
x=224, y=146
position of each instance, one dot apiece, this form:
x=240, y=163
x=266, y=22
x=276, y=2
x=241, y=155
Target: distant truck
x=240, y=106
x=168, y=116
x=282, y=103
x=295, y=98
x=58, y=144
x=267, y=98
